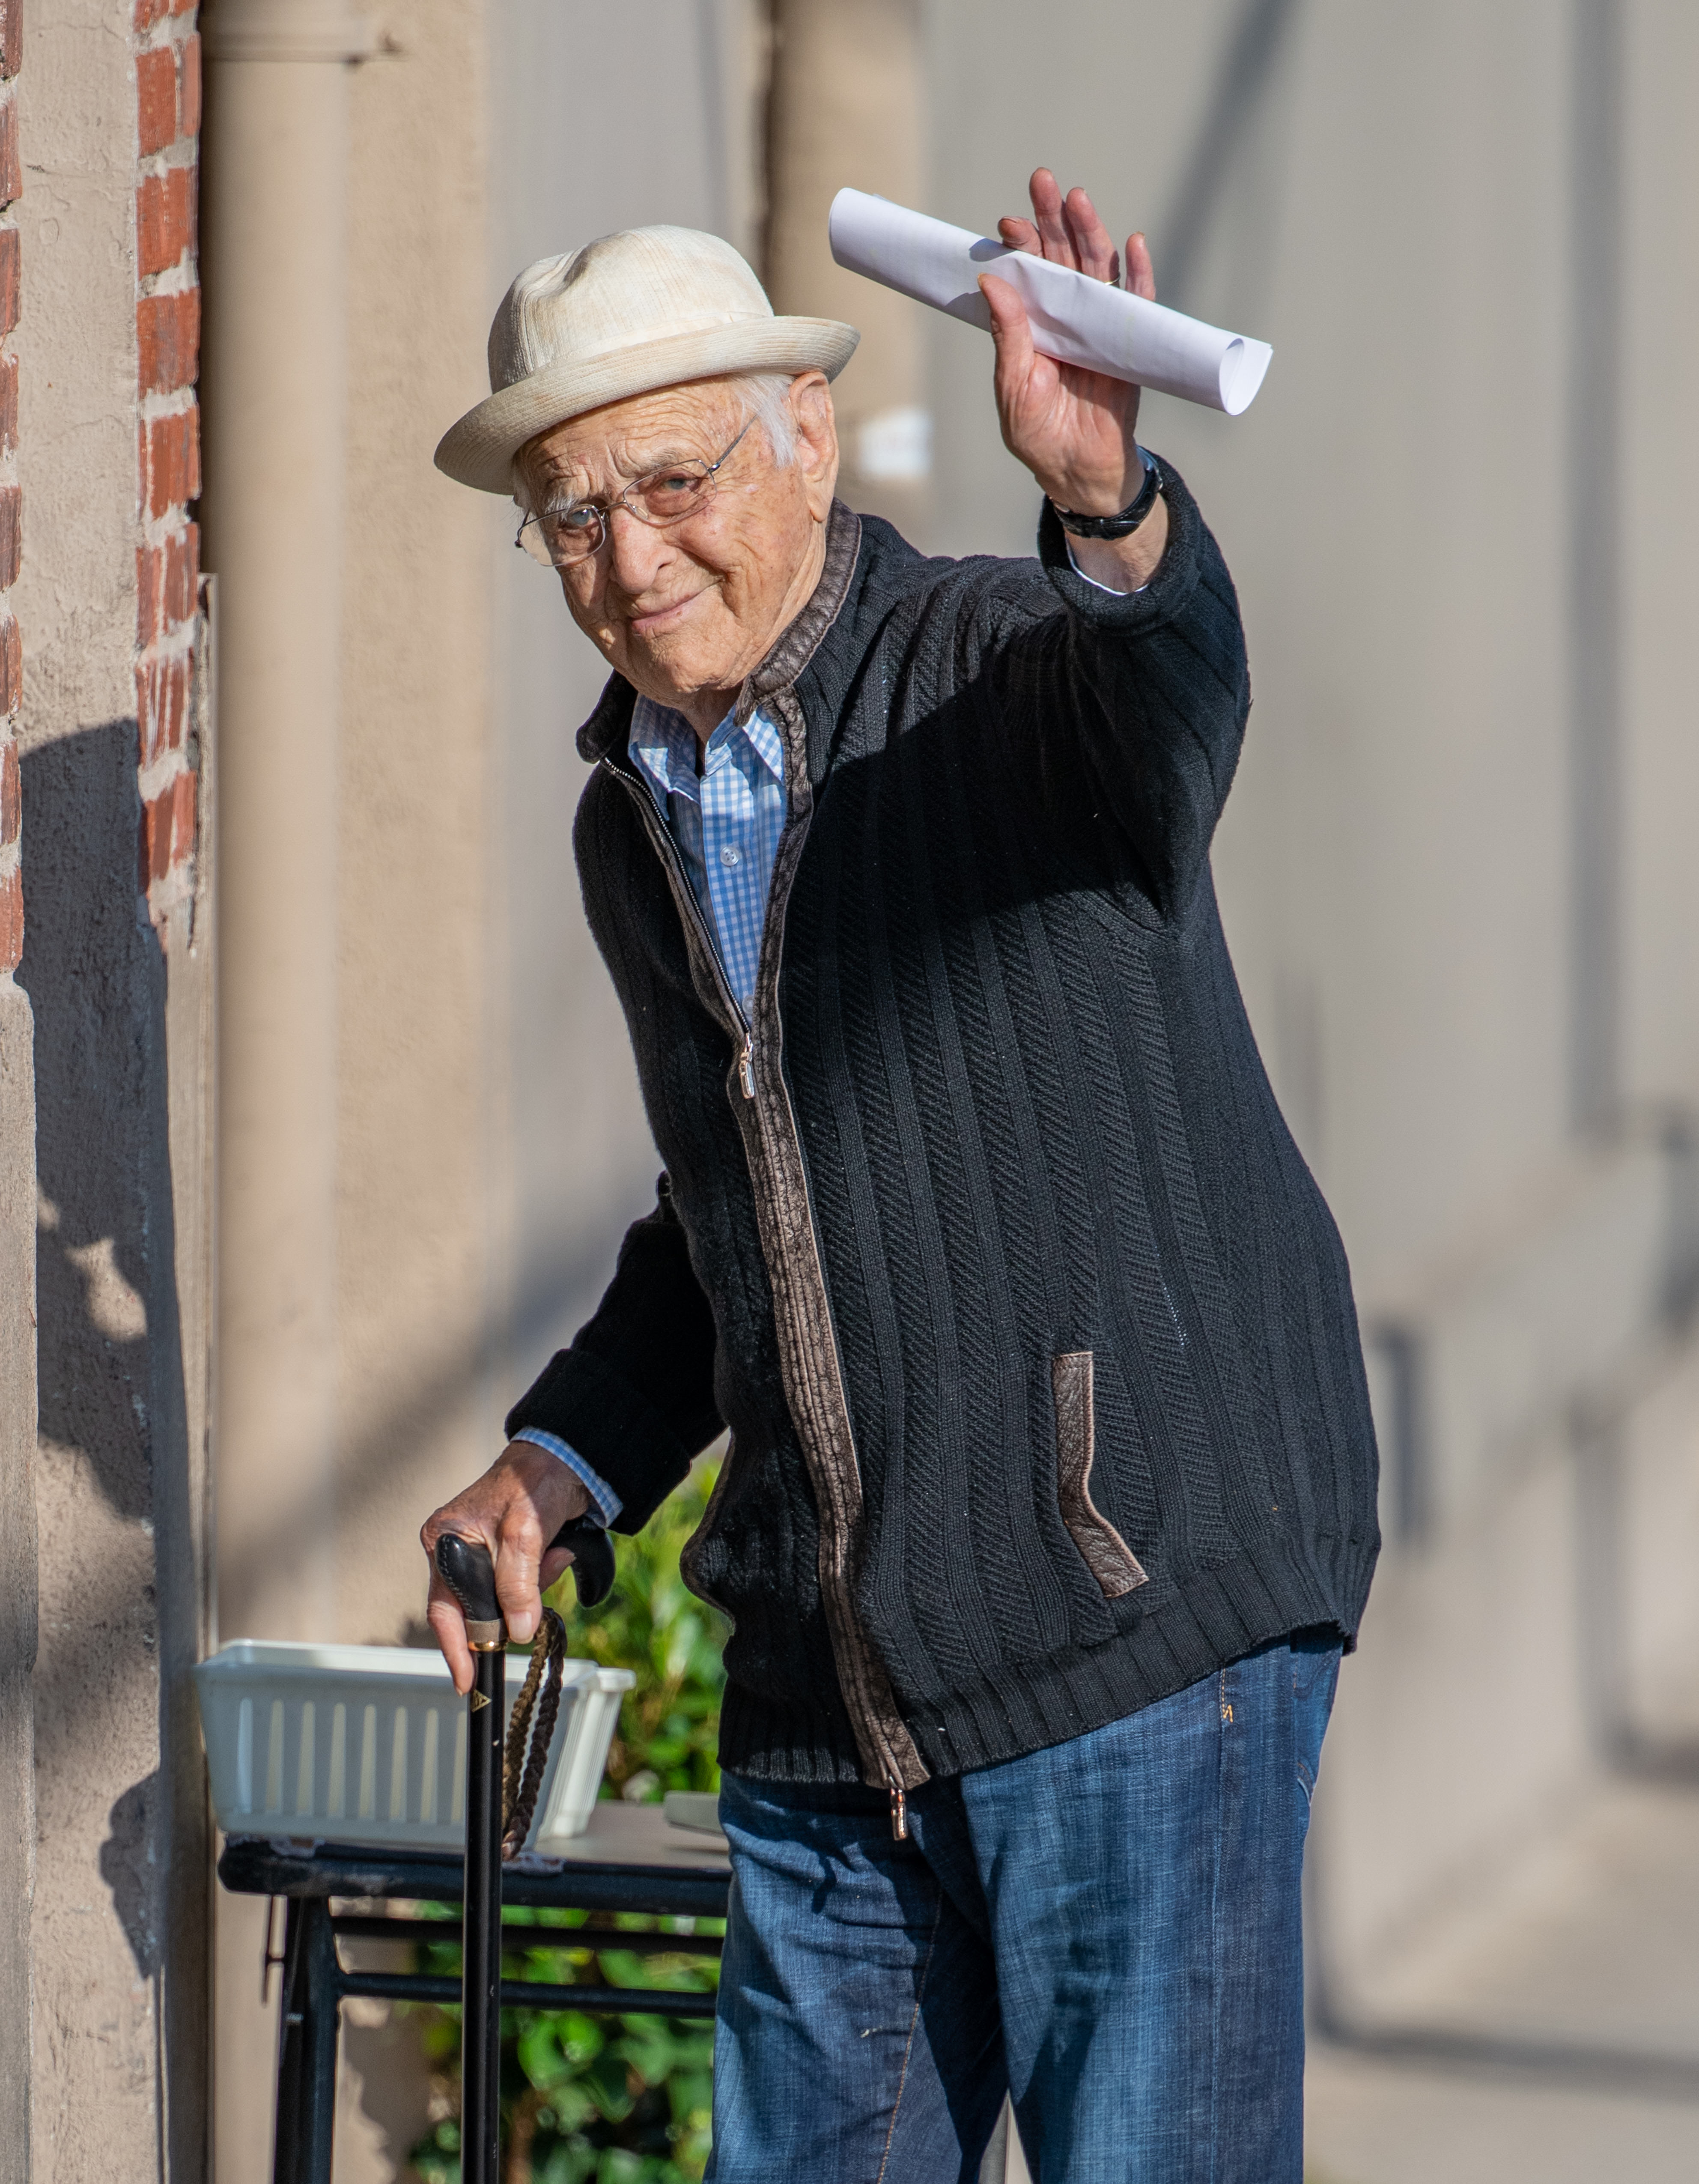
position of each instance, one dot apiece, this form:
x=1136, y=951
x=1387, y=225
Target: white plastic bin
x=367, y=1744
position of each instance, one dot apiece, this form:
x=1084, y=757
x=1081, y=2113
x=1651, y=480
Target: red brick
x=171, y=462
x=148, y=13
x=166, y=580
x=164, y=220
x=11, y=666
x=11, y=921
x=156, y=99
x=9, y=405
x=11, y=533
x=183, y=572
x=168, y=829
x=11, y=172
x=168, y=334
x=184, y=801
x=190, y=122
x=11, y=37
x=155, y=846
x=8, y=279
x=11, y=794
x=162, y=705
x=147, y=678
x=152, y=706
x=150, y=619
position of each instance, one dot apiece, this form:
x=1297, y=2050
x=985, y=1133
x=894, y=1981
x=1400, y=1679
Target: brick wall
x=168, y=315
x=11, y=512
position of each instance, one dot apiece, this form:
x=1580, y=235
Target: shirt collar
x=663, y=747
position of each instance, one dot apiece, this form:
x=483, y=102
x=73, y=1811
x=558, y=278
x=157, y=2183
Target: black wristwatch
x=1124, y=525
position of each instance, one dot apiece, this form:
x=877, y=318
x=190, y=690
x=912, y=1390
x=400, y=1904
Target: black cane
x=470, y=1575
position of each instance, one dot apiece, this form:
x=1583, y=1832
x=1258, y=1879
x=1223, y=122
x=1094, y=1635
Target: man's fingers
x=1011, y=332
x=443, y=1615
x=516, y=1576
x=1047, y=212
x=1094, y=252
x=1141, y=276
x=1017, y=362
x=1021, y=235
x=556, y=1560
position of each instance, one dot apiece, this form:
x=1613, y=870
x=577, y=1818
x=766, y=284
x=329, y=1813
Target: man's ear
x=817, y=440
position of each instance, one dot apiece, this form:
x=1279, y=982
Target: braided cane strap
x=526, y=1758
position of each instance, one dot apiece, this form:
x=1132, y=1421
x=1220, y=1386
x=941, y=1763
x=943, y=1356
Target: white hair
x=766, y=397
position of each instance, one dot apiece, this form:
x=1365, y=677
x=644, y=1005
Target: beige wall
x=1403, y=510
x=420, y=1092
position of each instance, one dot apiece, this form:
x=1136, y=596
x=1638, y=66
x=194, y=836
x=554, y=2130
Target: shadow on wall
x=95, y=983
x=120, y=1599
x=124, y=1867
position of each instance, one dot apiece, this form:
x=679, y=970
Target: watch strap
x=1117, y=527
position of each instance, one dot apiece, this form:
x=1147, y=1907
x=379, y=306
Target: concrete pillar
x=844, y=106
x=274, y=220
x=277, y=160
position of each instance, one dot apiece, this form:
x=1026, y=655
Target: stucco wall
x=119, y=1923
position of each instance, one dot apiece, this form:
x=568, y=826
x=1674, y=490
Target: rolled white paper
x=1074, y=318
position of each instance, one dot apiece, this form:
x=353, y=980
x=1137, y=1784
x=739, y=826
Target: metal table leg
x=307, y=2047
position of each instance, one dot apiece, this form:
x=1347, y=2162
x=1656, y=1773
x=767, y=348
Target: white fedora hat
x=648, y=308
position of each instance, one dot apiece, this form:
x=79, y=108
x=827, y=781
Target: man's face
x=687, y=612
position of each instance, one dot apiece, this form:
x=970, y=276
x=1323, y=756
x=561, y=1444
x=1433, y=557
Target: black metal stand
x=315, y=1980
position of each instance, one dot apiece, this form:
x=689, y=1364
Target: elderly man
x=1049, y=1496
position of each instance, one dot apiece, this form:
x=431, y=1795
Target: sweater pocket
x=1105, y=1553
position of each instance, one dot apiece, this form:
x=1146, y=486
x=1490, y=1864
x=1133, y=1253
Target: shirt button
x=729, y=855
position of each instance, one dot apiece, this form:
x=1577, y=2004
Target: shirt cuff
x=606, y=1504
x=1112, y=589
x=1092, y=581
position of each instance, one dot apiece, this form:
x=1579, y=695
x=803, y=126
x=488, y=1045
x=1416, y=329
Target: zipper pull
x=746, y=1067
x=899, y=1814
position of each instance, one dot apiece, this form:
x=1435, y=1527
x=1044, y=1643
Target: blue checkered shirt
x=727, y=822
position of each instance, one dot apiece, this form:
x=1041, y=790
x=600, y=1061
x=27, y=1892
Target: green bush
x=618, y=2100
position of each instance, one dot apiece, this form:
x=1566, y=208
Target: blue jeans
x=1109, y=1930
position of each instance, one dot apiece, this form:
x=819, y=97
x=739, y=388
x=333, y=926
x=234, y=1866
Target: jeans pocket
x=1105, y=1553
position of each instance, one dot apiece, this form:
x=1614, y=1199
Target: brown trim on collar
x=801, y=639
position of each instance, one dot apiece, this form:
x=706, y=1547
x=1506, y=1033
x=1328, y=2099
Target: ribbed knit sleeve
x=1138, y=701
x=634, y=1393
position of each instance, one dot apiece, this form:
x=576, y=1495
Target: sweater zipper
x=881, y=1733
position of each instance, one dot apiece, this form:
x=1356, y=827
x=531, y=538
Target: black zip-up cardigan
x=984, y=1233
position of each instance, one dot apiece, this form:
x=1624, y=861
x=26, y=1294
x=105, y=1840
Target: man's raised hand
x=1073, y=429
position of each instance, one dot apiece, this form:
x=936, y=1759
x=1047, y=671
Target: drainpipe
x=273, y=268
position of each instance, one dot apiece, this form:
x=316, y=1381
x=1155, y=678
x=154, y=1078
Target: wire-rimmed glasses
x=558, y=537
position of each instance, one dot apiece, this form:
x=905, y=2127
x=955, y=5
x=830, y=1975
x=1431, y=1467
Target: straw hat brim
x=479, y=450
